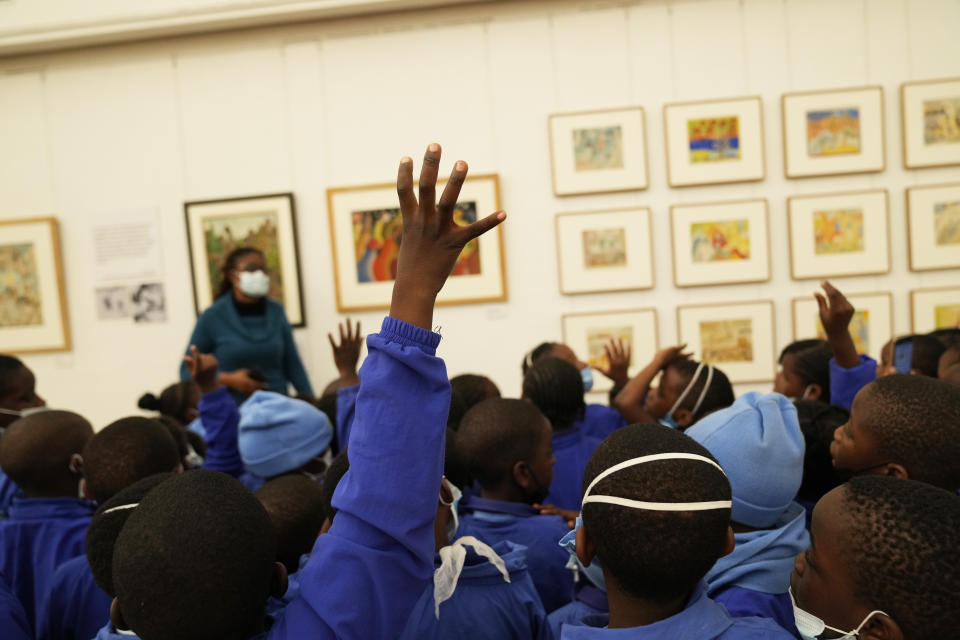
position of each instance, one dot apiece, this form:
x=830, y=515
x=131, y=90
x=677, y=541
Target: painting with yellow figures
x=941, y=121
x=726, y=340
x=720, y=241
x=946, y=316
x=714, y=139
x=859, y=330
x=833, y=132
x=599, y=338
x=838, y=231
x=946, y=223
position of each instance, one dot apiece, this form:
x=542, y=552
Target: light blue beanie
x=279, y=434
x=759, y=444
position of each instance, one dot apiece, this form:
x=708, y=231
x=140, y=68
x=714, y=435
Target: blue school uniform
x=366, y=574
x=754, y=578
x=701, y=619
x=588, y=600
x=346, y=408
x=37, y=537
x=572, y=449
x=599, y=421
x=844, y=383
x=109, y=632
x=493, y=521
x=483, y=605
x=275, y=606
x=221, y=420
x=8, y=491
x=75, y=607
x=13, y=620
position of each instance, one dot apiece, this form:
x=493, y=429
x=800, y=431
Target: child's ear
x=116, y=616
x=585, y=549
x=813, y=392
x=521, y=474
x=279, y=582
x=881, y=627
x=683, y=417
x=729, y=543
x=895, y=470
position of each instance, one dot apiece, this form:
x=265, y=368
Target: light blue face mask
x=593, y=573
x=586, y=374
x=669, y=421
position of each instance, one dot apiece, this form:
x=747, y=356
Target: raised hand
x=618, y=361
x=835, y=315
x=346, y=354
x=431, y=239
x=663, y=357
x=203, y=369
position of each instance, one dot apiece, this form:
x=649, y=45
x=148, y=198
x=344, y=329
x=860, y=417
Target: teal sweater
x=263, y=342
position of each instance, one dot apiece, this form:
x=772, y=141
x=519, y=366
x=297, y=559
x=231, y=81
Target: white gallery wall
x=311, y=106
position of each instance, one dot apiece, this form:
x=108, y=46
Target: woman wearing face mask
x=245, y=329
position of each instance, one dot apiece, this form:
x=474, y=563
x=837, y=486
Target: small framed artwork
x=839, y=234
x=933, y=226
x=714, y=142
x=605, y=251
x=268, y=223
x=736, y=337
x=720, y=243
x=931, y=123
x=835, y=132
x=588, y=333
x=33, y=303
x=365, y=232
x=933, y=309
x=871, y=326
x=598, y=151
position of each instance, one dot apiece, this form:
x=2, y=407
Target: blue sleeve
x=292, y=364
x=844, y=383
x=346, y=409
x=203, y=341
x=13, y=620
x=366, y=574
x=221, y=420
x=747, y=603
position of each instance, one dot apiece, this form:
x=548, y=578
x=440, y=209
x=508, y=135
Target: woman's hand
x=241, y=381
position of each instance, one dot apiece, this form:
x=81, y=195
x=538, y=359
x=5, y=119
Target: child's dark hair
x=195, y=559
x=126, y=451
x=496, y=434
x=916, y=423
x=949, y=337
x=453, y=468
x=229, y=264
x=174, y=401
x=106, y=525
x=335, y=472
x=184, y=438
x=35, y=451
x=295, y=506
x=818, y=421
x=8, y=366
x=904, y=551
x=926, y=353
x=555, y=387
x=473, y=388
x=811, y=363
x=656, y=555
x=719, y=394
x=532, y=356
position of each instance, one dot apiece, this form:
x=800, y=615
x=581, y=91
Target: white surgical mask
x=668, y=420
x=811, y=627
x=24, y=412
x=586, y=375
x=454, y=523
x=255, y=284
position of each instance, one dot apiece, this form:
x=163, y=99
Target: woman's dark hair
x=229, y=264
x=173, y=401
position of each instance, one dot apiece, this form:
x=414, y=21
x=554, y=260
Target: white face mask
x=25, y=412
x=811, y=627
x=454, y=522
x=255, y=284
x=668, y=420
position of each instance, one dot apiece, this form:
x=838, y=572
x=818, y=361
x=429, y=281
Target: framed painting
x=737, y=337
x=932, y=309
x=33, y=303
x=598, y=151
x=871, y=326
x=714, y=142
x=588, y=333
x=720, y=243
x=839, y=234
x=829, y=133
x=365, y=232
x=931, y=123
x=605, y=251
x=268, y=223
x=933, y=226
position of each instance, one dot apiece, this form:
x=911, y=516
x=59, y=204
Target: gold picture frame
x=878, y=327
x=923, y=307
x=925, y=252
x=916, y=150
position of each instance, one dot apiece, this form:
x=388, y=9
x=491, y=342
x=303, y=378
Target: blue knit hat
x=758, y=442
x=279, y=434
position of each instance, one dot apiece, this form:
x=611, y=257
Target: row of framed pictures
x=831, y=235
x=739, y=337
x=825, y=133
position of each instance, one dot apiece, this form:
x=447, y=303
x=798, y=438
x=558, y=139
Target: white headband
x=122, y=507
x=655, y=506
x=690, y=385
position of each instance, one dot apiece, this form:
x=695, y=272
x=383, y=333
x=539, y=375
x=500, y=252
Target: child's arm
x=629, y=402
x=218, y=413
x=366, y=574
x=201, y=339
x=849, y=371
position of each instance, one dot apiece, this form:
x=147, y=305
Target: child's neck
x=505, y=493
x=628, y=611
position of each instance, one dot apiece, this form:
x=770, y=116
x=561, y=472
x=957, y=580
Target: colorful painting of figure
x=223, y=234
x=859, y=330
x=726, y=340
x=21, y=300
x=946, y=223
x=377, y=234
x=838, y=231
x=946, y=316
x=598, y=338
x=720, y=241
x=833, y=132
x=714, y=139
x=598, y=148
x=604, y=248
x=941, y=121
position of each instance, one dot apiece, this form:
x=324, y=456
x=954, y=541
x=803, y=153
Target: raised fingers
x=408, y=201
x=448, y=201
x=480, y=227
x=428, y=177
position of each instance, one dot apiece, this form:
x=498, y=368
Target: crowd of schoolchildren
x=403, y=504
